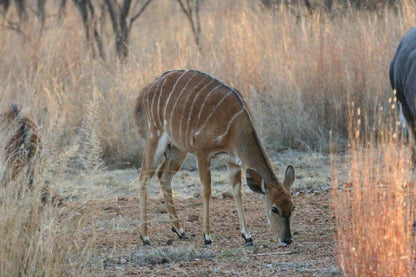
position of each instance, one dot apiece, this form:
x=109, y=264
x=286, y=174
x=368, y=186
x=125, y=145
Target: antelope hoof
x=180, y=234
x=249, y=242
x=146, y=241
x=207, y=240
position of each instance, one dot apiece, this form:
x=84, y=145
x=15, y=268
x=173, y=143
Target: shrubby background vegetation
x=76, y=67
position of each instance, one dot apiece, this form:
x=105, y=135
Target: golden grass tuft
x=374, y=197
x=36, y=240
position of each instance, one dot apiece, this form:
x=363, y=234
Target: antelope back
x=191, y=107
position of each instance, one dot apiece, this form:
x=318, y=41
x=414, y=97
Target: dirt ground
x=112, y=206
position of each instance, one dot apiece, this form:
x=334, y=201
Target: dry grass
x=298, y=75
x=375, y=204
x=35, y=240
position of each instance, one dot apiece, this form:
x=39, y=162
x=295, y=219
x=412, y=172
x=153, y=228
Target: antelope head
x=277, y=200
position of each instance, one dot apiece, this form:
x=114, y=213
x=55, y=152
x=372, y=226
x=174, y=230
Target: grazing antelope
x=21, y=150
x=402, y=73
x=188, y=111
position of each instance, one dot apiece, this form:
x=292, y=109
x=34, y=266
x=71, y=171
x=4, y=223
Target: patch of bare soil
x=119, y=250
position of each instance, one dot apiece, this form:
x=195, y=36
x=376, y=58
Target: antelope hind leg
x=173, y=162
x=149, y=165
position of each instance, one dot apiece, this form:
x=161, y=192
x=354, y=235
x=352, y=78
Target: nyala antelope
x=21, y=150
x=188, y=111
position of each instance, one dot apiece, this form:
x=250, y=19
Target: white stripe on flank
x=148, y=115
x=186, y=104
x=205, y=100
x=192, y=106
x=215, y=109
x=158, y=102
x=220, y=137
x=152, y=110
x=177, y=100
x=170, y=94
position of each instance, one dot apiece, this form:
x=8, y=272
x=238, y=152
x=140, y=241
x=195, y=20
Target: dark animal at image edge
x=402, y=74
x=188, y=111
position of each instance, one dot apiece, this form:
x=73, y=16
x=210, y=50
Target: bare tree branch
x=125, y=9
x=41, y=13
x=4, y=4
x=16, y=27
x=190, y=12
x=21, y=9
x=113, y=14
x=62, y=7
x=308, y=6
x=119, y=23
x=93, y=25
x=133, y=18
x=88, y=18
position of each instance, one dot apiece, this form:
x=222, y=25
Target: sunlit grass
x=374, y=198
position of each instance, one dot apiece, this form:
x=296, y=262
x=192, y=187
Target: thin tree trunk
x=41, y=14
x=192, y=14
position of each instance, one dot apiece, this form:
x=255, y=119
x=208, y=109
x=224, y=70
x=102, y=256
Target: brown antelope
x=21, y=150
x=188, y=111
x=21, y=146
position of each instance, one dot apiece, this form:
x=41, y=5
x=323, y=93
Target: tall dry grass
x=297, y=73
x=42, y=239
x=374, y=198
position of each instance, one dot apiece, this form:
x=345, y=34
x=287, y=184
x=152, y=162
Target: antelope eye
x=274, y=210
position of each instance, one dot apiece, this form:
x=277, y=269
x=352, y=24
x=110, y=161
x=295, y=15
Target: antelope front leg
x=205, y=176
x=234, y=172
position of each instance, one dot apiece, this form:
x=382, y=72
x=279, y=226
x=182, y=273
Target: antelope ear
x=289, y=177
x=254, y=181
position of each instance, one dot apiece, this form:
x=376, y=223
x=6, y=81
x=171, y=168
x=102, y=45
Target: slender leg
x=173, y=161
x=234, y=172
x=205, y=176
x=148, y=169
